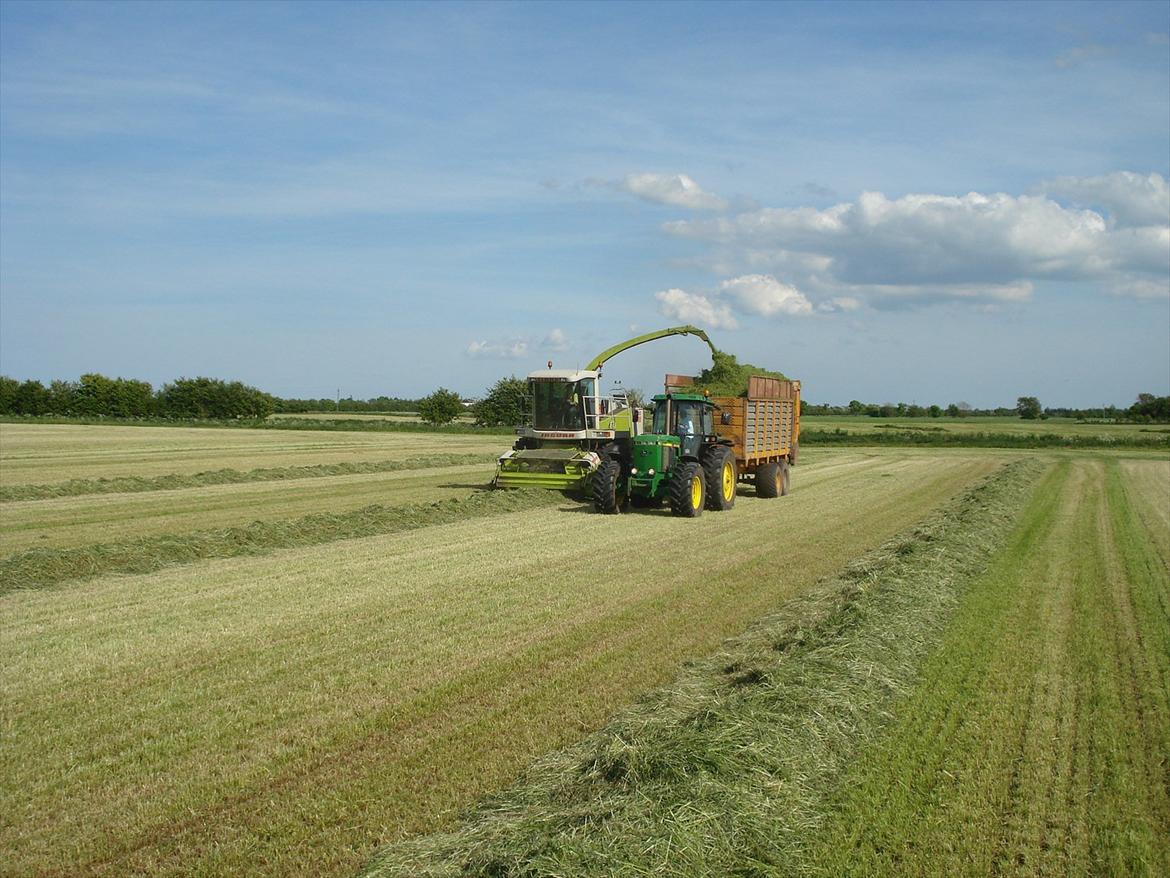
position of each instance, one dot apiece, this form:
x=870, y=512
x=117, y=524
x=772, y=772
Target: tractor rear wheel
x=722, y=477
x=785, y=478
x=688, y=490
x=768, y=480
x=605, y=487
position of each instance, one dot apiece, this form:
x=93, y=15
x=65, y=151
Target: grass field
x=1050, y=426
x=292, y=712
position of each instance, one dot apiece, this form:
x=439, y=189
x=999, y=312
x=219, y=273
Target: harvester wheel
x=785, y=478
x=605, y=487
x=722, y=477
x=768, y=480
x=688, y=490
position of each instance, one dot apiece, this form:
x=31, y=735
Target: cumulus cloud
x=763, y=294
x=513, y=349
x=675, y=190
x=976, y=247
x=1130, y=199
x=695, y=308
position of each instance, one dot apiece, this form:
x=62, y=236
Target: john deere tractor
x=681, y=460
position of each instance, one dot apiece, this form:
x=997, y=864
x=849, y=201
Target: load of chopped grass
x=729, y=377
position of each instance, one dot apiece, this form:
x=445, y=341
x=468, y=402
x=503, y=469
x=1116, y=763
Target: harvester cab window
x=555, y=408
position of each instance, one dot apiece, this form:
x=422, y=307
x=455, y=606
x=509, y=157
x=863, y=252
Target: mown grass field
x=1012, y=425
x=293, y=709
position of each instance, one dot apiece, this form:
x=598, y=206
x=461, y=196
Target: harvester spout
x=605, y=355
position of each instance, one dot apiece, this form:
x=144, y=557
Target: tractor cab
x=689, y=417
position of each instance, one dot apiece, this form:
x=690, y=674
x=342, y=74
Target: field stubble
x=289, y=713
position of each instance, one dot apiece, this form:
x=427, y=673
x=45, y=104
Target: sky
x=912, y=202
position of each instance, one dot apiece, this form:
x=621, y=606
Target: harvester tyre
x=604, y=487
x=768, y=480
x=722, y=478
x=785, y=478
x=688, y=490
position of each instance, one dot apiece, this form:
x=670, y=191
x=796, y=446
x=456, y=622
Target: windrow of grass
x=1038, y=741
x=175, y=481
x=942, y=437
x=37, y=568
x=727, y=770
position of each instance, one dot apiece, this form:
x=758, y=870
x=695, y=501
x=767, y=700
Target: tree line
x=1148, y=408
x=97, y=396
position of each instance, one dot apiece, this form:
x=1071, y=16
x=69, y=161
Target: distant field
x=47, y=453
x=1057, y=426
x=294, y=709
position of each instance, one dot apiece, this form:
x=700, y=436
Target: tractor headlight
x=650, y=471
x=633, y=470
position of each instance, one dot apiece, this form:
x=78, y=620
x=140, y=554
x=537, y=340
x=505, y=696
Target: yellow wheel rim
x=696, y=492
x=728, y=481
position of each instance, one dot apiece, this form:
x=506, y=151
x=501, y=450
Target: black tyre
x=688, y=490
x=604, y=487
x=785, y=478
x=722, y=477
x=768, y=480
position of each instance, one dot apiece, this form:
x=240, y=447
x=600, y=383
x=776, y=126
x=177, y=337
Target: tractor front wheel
x=688, y=490
x=605, y=487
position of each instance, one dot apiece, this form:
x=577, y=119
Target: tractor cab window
x=558, y=405
x=689, y=418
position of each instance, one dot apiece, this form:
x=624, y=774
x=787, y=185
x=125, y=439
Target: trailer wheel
x=722, y=477
x=785, y=478
x=688, y=490
x=768, y=480
x=604, y=486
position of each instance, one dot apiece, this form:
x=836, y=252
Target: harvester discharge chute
x=572, y=426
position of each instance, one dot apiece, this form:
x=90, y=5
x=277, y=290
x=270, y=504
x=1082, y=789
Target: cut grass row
x=915, y=716
x=175, y=481
x=725, y=771
x=47, y=454
x=289, y=714
x=1039, y=739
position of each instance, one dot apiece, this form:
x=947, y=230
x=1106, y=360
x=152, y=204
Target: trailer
x=763, y=432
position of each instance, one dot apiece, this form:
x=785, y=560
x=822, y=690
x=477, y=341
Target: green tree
x=1028, y=407
x=856, y=407
x=8, y=389
x=935, y=412
x=31, y=399
x=953, y=410
x=441, y=407
x=504, y=404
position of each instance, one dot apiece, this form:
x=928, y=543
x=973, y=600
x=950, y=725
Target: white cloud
x=556, y=340
x=839, y=303
x=975, y=247
x=693, y=308
x=1130, y=199
x=676, y=190
x=763, y=294
x=513, y=349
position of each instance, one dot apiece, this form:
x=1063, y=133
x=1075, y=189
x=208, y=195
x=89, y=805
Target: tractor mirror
x=725, y=418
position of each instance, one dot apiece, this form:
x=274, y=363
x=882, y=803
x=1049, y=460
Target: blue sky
x=919, y=202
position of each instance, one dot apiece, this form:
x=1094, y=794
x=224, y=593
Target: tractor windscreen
x=557, y=405
x=686, y=418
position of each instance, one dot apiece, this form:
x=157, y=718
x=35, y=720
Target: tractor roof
x=691, y=397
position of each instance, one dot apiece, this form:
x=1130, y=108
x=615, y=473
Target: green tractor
x=682, y=460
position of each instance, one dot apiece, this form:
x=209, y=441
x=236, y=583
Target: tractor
x=681, y=460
